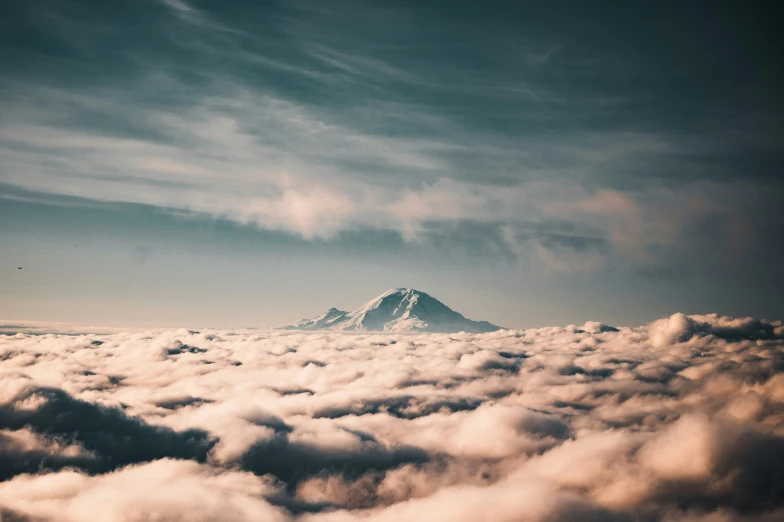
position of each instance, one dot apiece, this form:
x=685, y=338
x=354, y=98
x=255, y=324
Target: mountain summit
x=396, y=310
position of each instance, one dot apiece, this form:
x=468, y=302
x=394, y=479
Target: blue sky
x=232, y=164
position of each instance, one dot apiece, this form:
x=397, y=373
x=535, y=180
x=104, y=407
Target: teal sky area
x=244, y=164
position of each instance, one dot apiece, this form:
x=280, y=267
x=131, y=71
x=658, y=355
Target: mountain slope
x=321, y=322
x=396, y=310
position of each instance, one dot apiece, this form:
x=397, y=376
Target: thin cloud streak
x=284, y=167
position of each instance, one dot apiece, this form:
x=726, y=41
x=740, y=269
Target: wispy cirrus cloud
x=255, y=158
x=319, y=120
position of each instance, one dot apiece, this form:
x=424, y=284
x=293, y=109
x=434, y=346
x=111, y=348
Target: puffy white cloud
x=678, y=421
x=161, y=490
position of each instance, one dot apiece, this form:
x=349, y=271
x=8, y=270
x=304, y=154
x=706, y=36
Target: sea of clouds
x=682, y=420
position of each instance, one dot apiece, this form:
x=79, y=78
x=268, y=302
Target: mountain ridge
x=396, y=310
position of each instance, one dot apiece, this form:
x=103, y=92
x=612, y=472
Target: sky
x=244, y=164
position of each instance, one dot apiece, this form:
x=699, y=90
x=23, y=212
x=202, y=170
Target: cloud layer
x=682, y=420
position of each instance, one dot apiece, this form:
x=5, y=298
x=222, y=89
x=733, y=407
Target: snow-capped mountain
x=396, y=310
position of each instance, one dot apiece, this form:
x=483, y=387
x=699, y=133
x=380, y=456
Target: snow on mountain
x=396, y=310
x=322, y=322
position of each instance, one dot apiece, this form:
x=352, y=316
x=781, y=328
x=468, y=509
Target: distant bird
x=19, y=268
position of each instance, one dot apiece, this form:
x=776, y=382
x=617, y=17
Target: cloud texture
x=552, y=129
x=682, y=420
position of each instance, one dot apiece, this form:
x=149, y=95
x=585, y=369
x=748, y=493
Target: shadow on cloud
x=681, y=420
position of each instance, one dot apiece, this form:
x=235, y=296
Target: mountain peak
x=399, y=310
